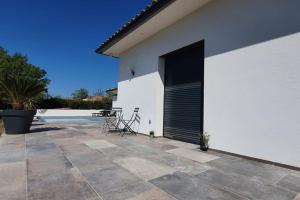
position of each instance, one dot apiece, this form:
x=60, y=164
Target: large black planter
x=17, y=121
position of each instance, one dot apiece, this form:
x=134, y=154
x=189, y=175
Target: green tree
x=20, y=82
x=80, y=94
x=99, y=92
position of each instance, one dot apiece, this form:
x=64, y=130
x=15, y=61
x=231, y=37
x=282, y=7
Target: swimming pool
x=66, y=119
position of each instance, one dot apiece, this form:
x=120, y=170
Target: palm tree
x=21, y=91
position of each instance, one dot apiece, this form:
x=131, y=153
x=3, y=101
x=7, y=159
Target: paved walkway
x=78, y=162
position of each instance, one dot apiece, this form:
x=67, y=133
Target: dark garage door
x=183, y=98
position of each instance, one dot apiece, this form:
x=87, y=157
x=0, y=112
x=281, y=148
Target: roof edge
x=142, y=17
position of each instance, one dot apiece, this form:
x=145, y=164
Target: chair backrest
x=134, y=114
x=137, y=118
x=116, y=112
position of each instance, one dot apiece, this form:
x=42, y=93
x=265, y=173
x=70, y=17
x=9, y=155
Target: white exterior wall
x=252, y=76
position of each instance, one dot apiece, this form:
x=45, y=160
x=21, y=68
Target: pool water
x=78, y=119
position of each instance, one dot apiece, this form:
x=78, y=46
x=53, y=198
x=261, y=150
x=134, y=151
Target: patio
x=77, y=161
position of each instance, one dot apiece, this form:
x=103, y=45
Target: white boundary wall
x=62, y=112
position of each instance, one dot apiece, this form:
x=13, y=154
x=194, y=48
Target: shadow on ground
x=38, y=130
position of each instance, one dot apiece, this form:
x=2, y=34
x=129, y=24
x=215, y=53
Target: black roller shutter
x=183, y=97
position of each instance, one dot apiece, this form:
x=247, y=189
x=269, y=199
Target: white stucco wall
x=252, y=76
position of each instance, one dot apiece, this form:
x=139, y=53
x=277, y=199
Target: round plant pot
x=204, y=148
x=17, y=121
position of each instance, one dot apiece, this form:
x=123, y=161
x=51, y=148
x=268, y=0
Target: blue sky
x=60, y=36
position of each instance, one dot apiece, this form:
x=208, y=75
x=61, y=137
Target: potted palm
x=20, y=83
x=21, y=93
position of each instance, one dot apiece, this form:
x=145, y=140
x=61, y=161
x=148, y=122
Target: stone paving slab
x=117, y=153
x=60, y=186
x=180, y=163
x=145, y=169
x=99, y=144
x=184, y=187
x=249, y=168
x=297, y=197
x=193, y=155
x=39, y=166
x=91, y=161
x=12, y=143
x=66, y=141
x=250, y=188
x=12, y=139
x=153, y=142
x=290, y=182
x=37, y=140
x=76, y=149
x=154, y=194
x=181, y=144
x=116, y=183
x=45, y=149
x=13, y=181
x=12, y=156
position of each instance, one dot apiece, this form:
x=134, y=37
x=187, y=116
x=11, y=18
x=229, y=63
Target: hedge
x=54, y=102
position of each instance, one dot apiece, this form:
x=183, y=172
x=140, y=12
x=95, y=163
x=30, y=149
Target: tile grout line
x=26, y=168
x=93, y=189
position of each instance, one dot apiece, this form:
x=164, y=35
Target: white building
x=227, y=67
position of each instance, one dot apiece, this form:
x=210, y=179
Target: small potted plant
x=204, y=141
x=151, y=134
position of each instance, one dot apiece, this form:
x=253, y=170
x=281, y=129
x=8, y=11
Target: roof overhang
x=155, y=18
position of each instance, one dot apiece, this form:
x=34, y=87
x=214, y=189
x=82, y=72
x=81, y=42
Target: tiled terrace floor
x=78, y=162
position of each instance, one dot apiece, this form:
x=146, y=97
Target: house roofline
x=146, y=14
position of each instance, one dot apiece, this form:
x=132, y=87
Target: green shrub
x=58, y=102
x=52, y=103
x=80, y=104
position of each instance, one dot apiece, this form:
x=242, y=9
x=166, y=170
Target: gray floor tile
x=128, y=191
x=46, y=149
x=197, y=156
x=12, y=156
x=117, y=153
x=154, y=194
x=251, y=169
x=184, y=187
x=76, y=149
x=12, y=146
x=239, y=184
x=46, y=165
x=91, y=161
x=143, y=168
x=297, y=197
x=13, y=181
x=110, y=179
x=290, y=182
x=99, y=144
x=37, y=140
x=182, y=144
x=60, y=186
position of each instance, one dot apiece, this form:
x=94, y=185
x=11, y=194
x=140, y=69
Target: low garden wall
x=65, y=112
